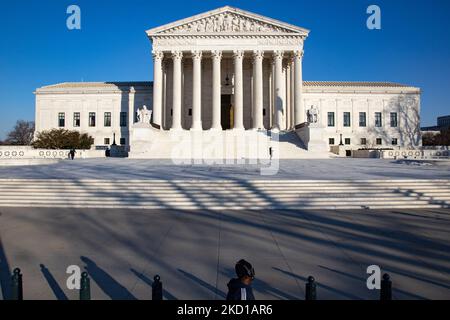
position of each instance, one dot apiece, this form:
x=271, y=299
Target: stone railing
x=422, y=154
x=26, y=152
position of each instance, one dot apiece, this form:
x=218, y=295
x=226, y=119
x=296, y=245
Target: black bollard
x=85, y=287
x=386, y=288
x=157, y=292
x=16, y=285
x=310, y=293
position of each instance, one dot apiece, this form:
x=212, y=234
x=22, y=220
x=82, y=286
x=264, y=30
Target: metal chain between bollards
x=157, y=290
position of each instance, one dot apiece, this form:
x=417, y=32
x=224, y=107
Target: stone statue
x=209, y=25
x=144, y=115
x=313, y=114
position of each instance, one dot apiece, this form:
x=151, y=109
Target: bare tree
x=22, y=134
x=408, y=126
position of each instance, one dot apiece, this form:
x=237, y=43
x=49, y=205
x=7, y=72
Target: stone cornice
x=229, y=36
x=359, y=90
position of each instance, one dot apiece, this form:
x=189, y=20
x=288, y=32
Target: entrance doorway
x=227, y=112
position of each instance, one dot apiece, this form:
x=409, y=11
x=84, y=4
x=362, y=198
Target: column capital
x=298, y=54
x=216, y=54
x=177, y=55
x=197, y=54
x=278, y=55
x=157, y=55
x=238, y=54
x=258, y=55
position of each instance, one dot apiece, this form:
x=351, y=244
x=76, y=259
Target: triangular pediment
x=227, y=20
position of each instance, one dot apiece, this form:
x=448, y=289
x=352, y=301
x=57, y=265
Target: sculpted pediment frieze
x=227, y=21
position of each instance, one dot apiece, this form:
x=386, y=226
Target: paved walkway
x=194, y=252
x=338, y=169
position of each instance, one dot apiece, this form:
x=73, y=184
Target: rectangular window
x=331, y=119
x=264, y=112
x=91, y=119
x=123, y=119
x=378, y=119
x=394, y=119
x=362, y=119
x=346, y=119
x=347, y=140
x=379, y=141
x=394, y=141
x=107, y=121
x=363, y=141
x=331, y=141
x=61, y=119
x=190, y=112
x=122, y=141
x=106, y=140
x=76, y=119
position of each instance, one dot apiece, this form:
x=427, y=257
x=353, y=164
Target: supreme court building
x=226, y=74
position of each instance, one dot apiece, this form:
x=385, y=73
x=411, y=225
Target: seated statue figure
x=144, y=115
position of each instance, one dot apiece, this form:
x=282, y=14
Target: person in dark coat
x=240, y=288
x=72, y=153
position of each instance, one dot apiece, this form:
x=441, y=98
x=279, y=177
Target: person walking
x=72, y=153
x=240, y=288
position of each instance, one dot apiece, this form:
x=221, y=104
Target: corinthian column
x=177, y=56
x=278, y=85
x=299, y=111
x=157, y=87
x=216, y=91
x=238, y=57
x=197, y=91
x=258, y=57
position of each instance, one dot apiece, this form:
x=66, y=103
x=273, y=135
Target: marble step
x=225, y=194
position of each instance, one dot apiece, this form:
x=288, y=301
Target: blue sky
x=37, y=49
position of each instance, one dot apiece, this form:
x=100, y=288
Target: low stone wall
x=26, y=152
x=366, y=153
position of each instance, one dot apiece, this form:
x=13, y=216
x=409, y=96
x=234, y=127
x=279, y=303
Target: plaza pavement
x=329, y=169
x=194, y=251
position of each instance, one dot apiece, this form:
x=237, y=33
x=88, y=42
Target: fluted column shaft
x=278, y=84
x=238, y=57
x=197, y=90
x=216, y=91
x=258, y=57
x=157, y=87
x=299, y=111
x=177, y=57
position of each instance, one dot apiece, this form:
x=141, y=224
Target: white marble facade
x=232, y=69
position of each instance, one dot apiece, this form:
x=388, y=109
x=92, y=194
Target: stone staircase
x=225, y=194
x=149, y=143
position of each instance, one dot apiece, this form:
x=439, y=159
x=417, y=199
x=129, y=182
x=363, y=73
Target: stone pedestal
x=312, y=137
